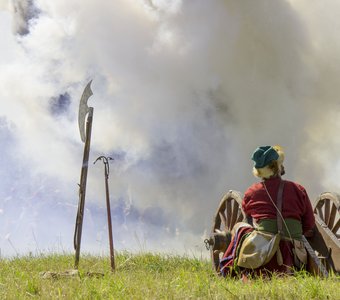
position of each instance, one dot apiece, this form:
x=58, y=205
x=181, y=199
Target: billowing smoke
x=24, y=13
x=184, y=91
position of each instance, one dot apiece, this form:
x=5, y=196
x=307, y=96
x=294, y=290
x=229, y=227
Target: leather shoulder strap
x=279, y=206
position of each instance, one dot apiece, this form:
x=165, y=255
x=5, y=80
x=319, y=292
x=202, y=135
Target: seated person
x=261, y=207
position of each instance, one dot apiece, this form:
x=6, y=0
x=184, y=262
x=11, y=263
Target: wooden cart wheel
x=228, y=214
x=327, y=208
x=326, y=239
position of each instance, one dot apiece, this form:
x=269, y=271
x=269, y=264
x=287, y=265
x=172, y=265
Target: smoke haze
x=184, y=91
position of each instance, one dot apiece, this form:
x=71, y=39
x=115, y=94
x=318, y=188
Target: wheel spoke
x=223, y=219
x=336, y=227
x=332, y=216
x=216, y=259
x=240, y=217
x=327, y=210
x=320, y=213
x=228, y=211
x=234, y=214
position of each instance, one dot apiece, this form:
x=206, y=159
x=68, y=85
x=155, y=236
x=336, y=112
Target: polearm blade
x=85, y=135
x=83, y=110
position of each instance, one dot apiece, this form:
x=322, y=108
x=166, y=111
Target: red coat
x=256, y=203
x=295, y=203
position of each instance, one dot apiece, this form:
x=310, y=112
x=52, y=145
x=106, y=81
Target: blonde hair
x=274, y=168
x=281, y=154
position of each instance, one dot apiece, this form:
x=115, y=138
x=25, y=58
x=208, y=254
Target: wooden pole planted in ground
x=85, y=135
x=109, y=223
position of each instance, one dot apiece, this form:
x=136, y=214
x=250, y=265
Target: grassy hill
x=146, y=276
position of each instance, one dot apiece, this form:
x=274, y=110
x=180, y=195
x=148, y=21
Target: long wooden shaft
x=109, y=223
x=313, y=261
x=82, y=188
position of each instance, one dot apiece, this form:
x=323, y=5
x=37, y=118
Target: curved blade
x=83, y=110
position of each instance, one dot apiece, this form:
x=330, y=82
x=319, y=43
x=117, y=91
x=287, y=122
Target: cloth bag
x=257, y=249
x=300, y=253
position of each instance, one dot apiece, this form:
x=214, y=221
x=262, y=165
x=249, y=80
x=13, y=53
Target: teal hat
x=263, y=156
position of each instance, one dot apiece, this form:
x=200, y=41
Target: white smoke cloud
x=4, y=5
x=184, y=91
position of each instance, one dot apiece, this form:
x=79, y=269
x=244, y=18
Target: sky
x=183, y=92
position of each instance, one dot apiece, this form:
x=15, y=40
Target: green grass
x=148, y=276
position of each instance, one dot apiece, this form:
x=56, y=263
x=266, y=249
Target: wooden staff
x=86, y=138
x=109, y=223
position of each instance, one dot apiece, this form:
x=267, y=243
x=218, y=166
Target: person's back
x=296, y=207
